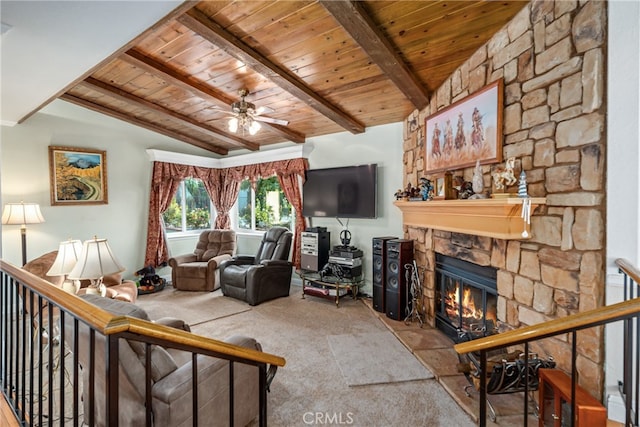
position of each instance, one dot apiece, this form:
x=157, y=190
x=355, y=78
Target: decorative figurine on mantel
x=410, y=193
x=522, y=185
x=477, y=183
x=414, y=193
x=464, y=188
x=504, y=177
x=426, y=189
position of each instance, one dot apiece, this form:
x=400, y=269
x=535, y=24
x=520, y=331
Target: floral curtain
x=165, y=180
x=225, y=195
x=223, y=186
x=290, y=175
x=292, y=186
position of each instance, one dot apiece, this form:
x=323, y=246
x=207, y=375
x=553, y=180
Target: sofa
x=172, y=374
x=198, y=271
x=116, y=288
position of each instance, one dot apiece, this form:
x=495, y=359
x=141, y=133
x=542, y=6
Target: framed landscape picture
x=466, y=131
x=78, y=176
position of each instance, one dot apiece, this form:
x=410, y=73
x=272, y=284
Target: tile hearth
x=435, y=350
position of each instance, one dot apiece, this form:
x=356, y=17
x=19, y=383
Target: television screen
x=347, y=192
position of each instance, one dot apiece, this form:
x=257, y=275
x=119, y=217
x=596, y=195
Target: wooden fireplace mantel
x=497, y=218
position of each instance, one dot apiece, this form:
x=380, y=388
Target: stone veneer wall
x=551, y=57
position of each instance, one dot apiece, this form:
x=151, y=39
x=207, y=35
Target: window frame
x=234, y=212
x=184, y=232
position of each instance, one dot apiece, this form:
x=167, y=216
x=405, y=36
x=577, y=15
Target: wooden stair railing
x=27, y=288
x=626, y=311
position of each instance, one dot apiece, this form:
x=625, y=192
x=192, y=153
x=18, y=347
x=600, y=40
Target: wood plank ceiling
x=323, y=66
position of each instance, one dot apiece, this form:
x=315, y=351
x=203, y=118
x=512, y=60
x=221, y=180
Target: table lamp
x=23, y=214
x=68, y=254
x=96, y=261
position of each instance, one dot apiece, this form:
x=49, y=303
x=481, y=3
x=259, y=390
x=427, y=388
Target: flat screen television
x=346, y=192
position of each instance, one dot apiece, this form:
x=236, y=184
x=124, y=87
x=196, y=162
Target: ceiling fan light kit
x=244, y=122
x=246, y=116
x=244, y=113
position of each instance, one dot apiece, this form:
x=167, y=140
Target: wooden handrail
x=629, y=269
x=166, y=333
x=109, y=324
x=574, y=322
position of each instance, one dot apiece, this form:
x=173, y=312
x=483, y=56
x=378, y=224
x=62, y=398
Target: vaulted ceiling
x=321, y=66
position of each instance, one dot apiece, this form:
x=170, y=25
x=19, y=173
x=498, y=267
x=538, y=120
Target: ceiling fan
x=245, y=115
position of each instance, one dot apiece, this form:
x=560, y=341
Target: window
x=263, y=208
x=190, y=208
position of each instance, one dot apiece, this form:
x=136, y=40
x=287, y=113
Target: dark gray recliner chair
x=262, y=277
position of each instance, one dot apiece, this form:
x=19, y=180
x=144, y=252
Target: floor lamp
x=23, y=214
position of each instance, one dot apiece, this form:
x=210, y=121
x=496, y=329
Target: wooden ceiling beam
x=198, y=88
x=143, y=124
x=210, y=30
x=121, y=95
x=352, y=16
x=174, y=77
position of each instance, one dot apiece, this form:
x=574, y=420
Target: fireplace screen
x=465, y=297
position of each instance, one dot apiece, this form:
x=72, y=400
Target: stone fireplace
x=552, y=60
x=465, y=297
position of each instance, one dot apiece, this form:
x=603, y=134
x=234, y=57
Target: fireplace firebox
x=465, y=297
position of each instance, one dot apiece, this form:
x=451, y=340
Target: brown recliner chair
x=262, y=277
x=199, y=271
x=172, y=374
x=116, y=288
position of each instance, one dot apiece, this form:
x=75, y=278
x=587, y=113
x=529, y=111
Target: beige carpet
x=310, y=388
x=391, y=362
x=192, y=307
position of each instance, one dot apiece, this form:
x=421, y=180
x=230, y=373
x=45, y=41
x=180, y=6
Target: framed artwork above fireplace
x=466, y=131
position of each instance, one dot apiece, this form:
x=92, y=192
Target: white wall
x=24, y=174
x=381, y=145
x=623, y=178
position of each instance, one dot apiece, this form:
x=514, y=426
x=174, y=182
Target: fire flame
x=470, y=312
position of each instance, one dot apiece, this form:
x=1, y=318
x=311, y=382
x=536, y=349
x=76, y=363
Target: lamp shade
x=68, y=254
x=233, y=124
x=22, y=213
x=254, y=127
x=96, y=260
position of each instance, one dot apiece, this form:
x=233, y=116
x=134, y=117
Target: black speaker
x=399, y=253
x=379, y=271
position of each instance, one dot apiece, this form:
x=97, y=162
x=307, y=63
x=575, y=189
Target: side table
x=329, y=287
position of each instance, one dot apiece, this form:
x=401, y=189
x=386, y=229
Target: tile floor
x=435, y=350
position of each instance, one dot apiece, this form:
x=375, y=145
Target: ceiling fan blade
x=219, y=108
x=263, y=109
x=271, y=120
